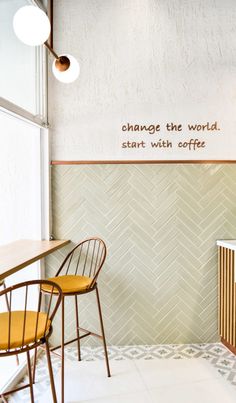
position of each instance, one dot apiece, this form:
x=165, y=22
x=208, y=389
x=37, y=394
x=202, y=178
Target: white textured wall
x=143, y=61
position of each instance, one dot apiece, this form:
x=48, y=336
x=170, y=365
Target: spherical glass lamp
x=66, y=68
x=31, y=25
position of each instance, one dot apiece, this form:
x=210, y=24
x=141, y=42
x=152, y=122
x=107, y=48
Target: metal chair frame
x=24, y=347
x=3, y=284
x=98, y=250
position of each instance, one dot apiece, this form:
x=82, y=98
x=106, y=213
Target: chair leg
x=30, y=377
x=103, y=334
x=7, y=302
x=8, y=308
x=34, y=365
x=62, y=349
x=17, y=360
x=77, y=327
x=54, y=396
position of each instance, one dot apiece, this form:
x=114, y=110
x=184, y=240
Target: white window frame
x=41, y=89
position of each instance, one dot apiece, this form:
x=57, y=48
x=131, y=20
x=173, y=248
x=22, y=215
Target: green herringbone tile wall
x=160, y=223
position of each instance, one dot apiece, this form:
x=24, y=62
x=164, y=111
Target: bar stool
x=77, y=275
x=24, y=330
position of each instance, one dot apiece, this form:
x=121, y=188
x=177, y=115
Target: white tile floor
x=196, y=373
x=145, y=381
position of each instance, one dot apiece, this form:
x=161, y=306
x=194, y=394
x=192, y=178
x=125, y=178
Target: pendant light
x=65, y=67
x=32, y=26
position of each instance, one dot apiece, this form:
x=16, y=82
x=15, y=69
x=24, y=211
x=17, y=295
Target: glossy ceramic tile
x=155, y=381
x=169, y=372
x=207, y=391
x=141, y=397
x=88, y=380
x=141, y=373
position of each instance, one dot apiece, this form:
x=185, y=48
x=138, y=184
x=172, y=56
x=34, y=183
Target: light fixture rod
x=51, y=50
x=39, y=4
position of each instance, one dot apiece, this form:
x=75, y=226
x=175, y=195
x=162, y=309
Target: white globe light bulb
x=31, y=25
x=69, y=75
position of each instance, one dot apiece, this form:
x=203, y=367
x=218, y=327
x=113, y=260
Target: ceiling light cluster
x=32, y=26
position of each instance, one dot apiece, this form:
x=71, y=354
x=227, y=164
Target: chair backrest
x=23, y=325
x=85, y=259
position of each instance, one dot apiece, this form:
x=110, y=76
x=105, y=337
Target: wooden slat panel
x=219, y=291
x=227, y=296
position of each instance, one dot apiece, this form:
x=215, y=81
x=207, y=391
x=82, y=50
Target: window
x=22, y=78
x=21, y=201
x=24, y=165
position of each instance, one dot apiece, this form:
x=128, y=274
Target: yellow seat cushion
x=69, y=283
x=16, y=326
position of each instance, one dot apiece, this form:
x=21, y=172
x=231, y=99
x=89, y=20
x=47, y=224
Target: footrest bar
x=90, y=333
x=65, y=344
x=15, y=390
x=84, y=335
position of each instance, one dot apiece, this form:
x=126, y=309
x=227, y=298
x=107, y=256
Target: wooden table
x=19, y=254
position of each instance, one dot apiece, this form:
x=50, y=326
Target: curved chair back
x=24, y=328
x=85, y=259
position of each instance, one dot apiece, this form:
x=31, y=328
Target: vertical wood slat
x=224, y=293
x=227, y=271
x=234, y=303
x=227, y=296
x=221, y=293
x=230, y=297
